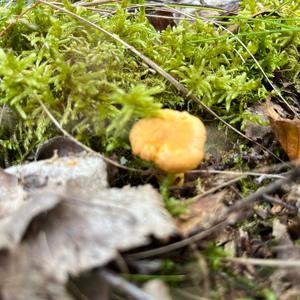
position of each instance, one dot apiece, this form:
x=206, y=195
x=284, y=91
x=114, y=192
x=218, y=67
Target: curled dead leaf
x=61, y=145
x=201, y=212
x=161, y=19
x=14, y=225
x=287, y=131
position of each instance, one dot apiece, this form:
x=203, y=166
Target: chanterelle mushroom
x=174, y=140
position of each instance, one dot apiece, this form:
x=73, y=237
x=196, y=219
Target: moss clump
x=89, y=81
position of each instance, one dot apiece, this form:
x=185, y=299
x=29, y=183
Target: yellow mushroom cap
x=174, y=141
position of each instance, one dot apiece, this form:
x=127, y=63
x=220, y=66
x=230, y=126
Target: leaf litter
x=71, y=224
x=62, y=219
x=201, y=212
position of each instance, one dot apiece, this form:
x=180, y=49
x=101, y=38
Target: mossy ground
x=96, y=88
x=77, y=71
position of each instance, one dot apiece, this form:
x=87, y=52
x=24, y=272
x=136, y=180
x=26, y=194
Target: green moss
x=78, y=71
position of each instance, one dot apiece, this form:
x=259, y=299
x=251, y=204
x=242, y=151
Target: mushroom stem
x=165, y=185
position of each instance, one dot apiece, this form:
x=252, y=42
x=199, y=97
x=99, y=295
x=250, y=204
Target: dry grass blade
x=93, y=3
x=237, y=173
x=181, y=88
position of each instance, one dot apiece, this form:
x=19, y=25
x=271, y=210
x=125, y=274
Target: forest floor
x=82, y=217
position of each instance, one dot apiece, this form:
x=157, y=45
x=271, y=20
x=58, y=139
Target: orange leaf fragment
x=287, y=131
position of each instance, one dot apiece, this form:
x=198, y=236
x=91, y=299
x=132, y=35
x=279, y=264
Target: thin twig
x=237, y=173
x=281, y=263
x=176, y=4
x=240, y=176
x=177, y=245
x=271, y=188
x=220, y=186
x=180, y=87
x=273, y=200
x=124, y=286
x=261, y=170
x=93, y=3
x=156, y=16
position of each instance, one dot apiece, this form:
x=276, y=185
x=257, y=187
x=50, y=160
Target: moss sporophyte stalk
x=97, y=89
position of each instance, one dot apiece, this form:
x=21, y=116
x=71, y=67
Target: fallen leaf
x=85, y=226
x=86, y=171
x=60, y=145
x=201, y=212
x=77, y=236
x=12, y=194
x=287, y=131
x=14, y=225
x=161, y=19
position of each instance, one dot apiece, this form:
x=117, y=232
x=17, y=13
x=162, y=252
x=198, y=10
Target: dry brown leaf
x=201, y=212
x=59, y=145
x=86, y=171
x=158, y=20
x=77, y=236
x=287, y=131
x=14, y=225
x=85, y=226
